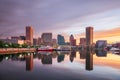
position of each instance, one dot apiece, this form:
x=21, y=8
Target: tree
x=1, y=44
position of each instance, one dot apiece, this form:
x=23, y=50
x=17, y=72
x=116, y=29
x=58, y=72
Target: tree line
x=12, y=45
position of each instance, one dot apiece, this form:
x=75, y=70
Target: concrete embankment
x=16, y=50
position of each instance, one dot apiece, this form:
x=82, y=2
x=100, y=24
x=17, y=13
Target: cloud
x=107, y=33
x=48, y=15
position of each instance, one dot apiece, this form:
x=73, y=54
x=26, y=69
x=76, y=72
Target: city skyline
x=61, y=17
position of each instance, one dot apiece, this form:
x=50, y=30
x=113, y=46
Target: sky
x=64, y=17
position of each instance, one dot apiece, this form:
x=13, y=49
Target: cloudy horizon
x=58, y=16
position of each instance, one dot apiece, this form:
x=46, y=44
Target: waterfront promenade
x=15, y=50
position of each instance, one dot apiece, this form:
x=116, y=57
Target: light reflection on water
x=60, y=65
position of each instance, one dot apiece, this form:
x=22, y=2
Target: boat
x=45, y=48
x=63, y=48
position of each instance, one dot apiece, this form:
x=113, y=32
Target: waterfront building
x=47, y=38
x=82, y=42
x=61, y=40
x=72, y=40
x=13, y=41
x=101, y=44
x=35, y=42
x=89, y=36
x=39, y=41
x=29, y=35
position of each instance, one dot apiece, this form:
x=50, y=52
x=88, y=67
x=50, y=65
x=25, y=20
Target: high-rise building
x=54, y=42
x=82, y=42
x=35, y=42
x=72, y=40
x=47, y=38
x=29, y=35
x=101, y=44
x=39, y=41
x=89, y=36
x=61, y=40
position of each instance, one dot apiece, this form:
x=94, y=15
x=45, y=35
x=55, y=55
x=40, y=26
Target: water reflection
x=72, y=55
x=47, y=57
x=82, y=54
x=60, y=58
x=58, y=64
x=89, y=60
x=29, y=62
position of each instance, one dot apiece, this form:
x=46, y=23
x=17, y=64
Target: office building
x=72, y=40
x=89, y=36
x=29, y=35
x=13, y=41
x=35, y=42
x=54, y=42
x=61, y=40
x=101, y=44
x=39, y=41
x=82, y=42
x=47, y=38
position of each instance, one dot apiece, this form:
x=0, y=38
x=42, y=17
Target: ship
x=45, y=48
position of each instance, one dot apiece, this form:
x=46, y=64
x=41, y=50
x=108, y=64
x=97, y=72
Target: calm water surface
x=80, y=65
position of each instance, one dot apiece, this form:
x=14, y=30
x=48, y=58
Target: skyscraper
x=89, y=36
x=35, y=41
x=82, y=42
x=39, y=41
x=29, y=35
x=61, y=40
x=72, y=40
x=47, y=38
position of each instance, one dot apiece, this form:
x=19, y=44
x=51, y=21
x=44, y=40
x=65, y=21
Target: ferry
x=45, y=48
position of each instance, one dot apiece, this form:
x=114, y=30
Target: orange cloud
x=107, y=33
x=111, y=35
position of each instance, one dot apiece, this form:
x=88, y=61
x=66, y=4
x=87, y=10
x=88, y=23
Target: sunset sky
x=61, y=17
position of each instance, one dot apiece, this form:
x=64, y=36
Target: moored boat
x=45, y=48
